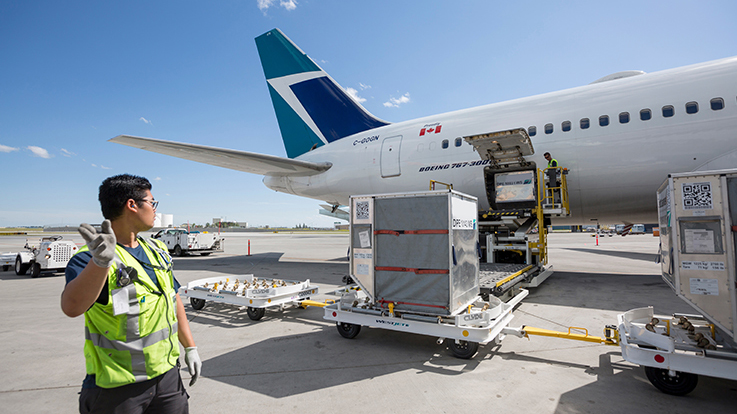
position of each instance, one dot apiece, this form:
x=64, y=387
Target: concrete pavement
x=293, y=360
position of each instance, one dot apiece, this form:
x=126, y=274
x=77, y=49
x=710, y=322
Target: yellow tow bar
x=611, y=338
x=308, y=302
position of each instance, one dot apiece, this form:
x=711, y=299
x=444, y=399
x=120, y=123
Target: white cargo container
x=416, y=250
x=698, y=238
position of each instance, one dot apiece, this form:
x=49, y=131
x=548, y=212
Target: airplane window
x=420, y=147
x=548, y=128
x=668, y=111
x=445, y=144
x=604, y=120
x=645, y=114
x=585, y=123
x=624, y=117
x=692, y=107
x=717, y=104
x=566, y=126
x=459, y=141
x=532, y=131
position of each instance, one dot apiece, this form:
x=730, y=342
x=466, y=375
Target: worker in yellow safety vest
x=552, y=173
x=134, y=319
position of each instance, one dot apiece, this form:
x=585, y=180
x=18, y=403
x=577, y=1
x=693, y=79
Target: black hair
x=547, y=153
x=115, y=191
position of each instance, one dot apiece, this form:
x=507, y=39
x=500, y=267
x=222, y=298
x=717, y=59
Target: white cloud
x=94, y=165
x=105, y=168
x=354, y=94
x=289, y=4
x=364, y=87
x=67, y=153
x=5, y=148
x=157, y=179
x=264, y=5
x=395, y=102
x=39, y=152
x=145, y=120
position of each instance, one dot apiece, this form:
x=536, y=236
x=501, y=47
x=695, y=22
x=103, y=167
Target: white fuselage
x=614, y=170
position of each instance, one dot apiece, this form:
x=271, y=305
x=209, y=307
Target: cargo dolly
x=414, y=259
x=256, y=294
x=479, y=322
x=698, y=251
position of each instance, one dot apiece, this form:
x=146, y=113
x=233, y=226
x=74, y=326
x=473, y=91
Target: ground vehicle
x=181, y=241
x=697, y=213
x=51, y=254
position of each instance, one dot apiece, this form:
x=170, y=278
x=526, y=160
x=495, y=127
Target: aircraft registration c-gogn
x=619, y=137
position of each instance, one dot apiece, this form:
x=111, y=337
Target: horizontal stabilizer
x=235, y=160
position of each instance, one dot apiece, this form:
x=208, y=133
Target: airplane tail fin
x=311, y=108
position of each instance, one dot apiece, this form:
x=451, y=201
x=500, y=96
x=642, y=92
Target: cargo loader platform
x=501, y=279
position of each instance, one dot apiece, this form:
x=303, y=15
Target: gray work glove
x=101, y=245
x=192, y=359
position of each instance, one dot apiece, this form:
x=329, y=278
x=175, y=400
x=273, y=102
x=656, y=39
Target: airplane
x=619, y=137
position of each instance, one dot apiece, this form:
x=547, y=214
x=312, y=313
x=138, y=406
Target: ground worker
x=552, y=173
x=133, y=316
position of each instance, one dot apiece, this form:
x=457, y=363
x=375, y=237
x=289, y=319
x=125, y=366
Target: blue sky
x=75, y=74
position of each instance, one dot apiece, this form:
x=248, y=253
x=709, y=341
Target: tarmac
x=293, y=360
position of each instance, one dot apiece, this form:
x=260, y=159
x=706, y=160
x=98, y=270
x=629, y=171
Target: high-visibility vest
x=142, y=343
x=551, y=165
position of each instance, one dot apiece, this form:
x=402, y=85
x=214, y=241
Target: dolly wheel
x=197, y=304
x=463, y=349
x=348, y=330
x=255, y=313
x=681, y=384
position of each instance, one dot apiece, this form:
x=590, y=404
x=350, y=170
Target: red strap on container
x=410, y=269
x=413, y=304
x=398, y=232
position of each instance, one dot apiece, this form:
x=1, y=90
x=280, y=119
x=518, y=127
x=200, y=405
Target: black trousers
x=164, y=394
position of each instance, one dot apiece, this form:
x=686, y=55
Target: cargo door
x=390, y=157
x=510, y=178
x=503, y=148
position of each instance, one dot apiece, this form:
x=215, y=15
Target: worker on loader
x=132, y=362
x=552, y=172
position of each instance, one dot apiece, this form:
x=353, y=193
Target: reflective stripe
x=142, y=357
x=101, y=341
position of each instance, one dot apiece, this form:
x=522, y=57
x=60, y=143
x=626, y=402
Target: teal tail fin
x=311, y=108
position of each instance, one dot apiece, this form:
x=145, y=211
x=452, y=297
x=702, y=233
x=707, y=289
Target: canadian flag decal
x=430, y=129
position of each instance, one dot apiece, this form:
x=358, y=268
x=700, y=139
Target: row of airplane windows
x=717, y=104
